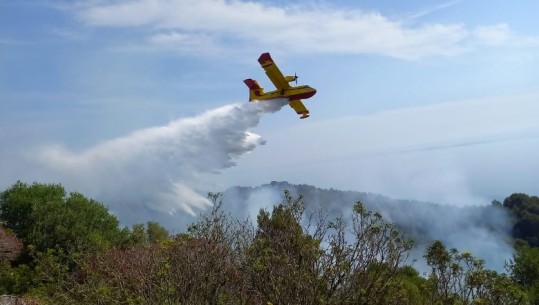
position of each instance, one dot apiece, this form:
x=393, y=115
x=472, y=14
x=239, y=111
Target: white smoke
x=482, y=230
x=156, y=169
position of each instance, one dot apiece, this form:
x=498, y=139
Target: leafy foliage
x=525, y=210
x=75, y=253
x=10, y=245
x=460, y=278
x=363, y=267
x=151, y=233
x=45, y=218
x=282, y=258
x=524, y=269
x=55, y=229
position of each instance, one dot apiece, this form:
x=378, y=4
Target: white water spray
x=154, y=169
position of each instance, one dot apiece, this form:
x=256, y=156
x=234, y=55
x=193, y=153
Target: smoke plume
x=483, y=230
x=157, y=169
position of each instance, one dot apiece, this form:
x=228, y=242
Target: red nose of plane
x=304, y=95
x=310, y=94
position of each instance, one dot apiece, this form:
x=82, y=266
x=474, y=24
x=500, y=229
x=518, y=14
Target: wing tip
x=265, y=57
x=304, y=114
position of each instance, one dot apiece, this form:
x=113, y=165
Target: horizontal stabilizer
x=254, y=89
x=252, y=84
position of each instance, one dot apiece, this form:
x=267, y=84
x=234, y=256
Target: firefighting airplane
x=281, y=82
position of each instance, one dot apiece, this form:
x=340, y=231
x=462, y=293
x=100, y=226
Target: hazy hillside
x=482, y=230
x=60, y=248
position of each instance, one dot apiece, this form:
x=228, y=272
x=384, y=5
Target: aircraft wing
x=300, y=109
x=273, y=72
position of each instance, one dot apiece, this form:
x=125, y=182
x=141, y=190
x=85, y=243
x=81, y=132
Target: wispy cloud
x=432, y=9
x=493, y=35
x=313, y=28
x=178, y=41
x=443, y=125
x=502, y=35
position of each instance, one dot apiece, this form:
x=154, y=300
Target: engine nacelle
x=290, y=78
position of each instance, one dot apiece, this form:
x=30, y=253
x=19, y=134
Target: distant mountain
x=485, y=231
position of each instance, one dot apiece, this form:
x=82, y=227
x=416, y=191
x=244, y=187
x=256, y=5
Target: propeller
x=296, y=78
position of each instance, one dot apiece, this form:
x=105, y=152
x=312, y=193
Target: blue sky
x=430, y=100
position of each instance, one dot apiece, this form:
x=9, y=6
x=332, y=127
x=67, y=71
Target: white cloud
x=493, y=35
x=501, y=35
x=176, y=41
x=311, y=28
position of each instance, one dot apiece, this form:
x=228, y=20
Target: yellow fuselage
x=292, y=93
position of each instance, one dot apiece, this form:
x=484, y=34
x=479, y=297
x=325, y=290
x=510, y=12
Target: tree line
x=59, y=248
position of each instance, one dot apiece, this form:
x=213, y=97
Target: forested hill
x=482, y=230
x=60, y=248
x=524, y=210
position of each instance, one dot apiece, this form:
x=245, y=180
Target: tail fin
x=254, y=89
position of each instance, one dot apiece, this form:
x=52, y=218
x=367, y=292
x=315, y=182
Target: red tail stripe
x=251, y=84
